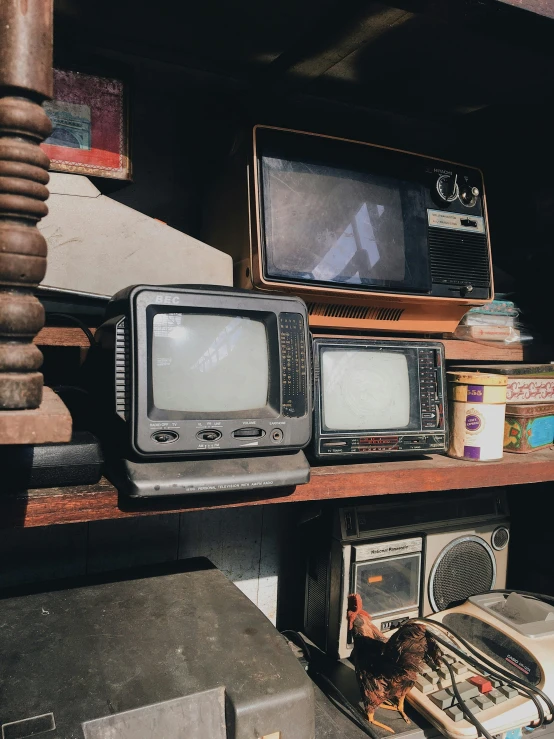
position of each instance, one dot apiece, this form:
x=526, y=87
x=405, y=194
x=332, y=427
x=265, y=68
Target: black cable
x=506, y=677
x=77, y=321
x=303, y=642
x=351, y=711
x=343, y=704
x=498, y=673
x=481, y=731
x=492, y=667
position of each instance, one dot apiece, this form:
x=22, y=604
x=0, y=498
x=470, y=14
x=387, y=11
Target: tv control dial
x=447, y=187
x=468, y=195
x=165, y=437
x=208, y=435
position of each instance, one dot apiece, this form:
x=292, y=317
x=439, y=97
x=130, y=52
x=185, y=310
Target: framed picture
x=90, y=126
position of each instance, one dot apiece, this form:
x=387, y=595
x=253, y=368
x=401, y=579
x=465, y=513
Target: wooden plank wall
x=247, y=544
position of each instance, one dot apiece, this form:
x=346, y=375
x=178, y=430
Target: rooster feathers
x=387, y=670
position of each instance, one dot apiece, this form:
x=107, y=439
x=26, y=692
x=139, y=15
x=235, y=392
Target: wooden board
x=432, y=473
x=58, y=336
x=49, y=423
x=465, y=350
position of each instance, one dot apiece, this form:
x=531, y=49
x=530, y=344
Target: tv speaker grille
x=355, y=312
x=465, y=567
x=458, y=257
x=122, y=349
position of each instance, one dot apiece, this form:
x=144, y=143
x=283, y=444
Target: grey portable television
x=203, y=370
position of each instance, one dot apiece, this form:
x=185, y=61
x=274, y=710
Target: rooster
x=387, y=670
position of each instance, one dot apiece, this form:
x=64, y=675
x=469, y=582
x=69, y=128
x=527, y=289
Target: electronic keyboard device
x=516, y=635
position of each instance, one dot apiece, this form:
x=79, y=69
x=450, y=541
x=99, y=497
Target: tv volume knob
x=469, y=195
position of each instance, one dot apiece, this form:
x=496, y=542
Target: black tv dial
x=468, y=195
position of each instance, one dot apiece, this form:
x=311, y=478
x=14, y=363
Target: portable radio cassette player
x=405, y=559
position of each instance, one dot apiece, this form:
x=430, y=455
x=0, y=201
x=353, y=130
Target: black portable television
x=207, y=370
x=378, y=397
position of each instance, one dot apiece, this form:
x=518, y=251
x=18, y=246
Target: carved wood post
x=25, y=82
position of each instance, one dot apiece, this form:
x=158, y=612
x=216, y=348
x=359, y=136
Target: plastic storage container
x=477, y=403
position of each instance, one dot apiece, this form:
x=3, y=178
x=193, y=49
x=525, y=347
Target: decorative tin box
x=527, y=383
x=528, y=427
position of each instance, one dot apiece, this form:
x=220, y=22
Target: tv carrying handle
x=217, y=475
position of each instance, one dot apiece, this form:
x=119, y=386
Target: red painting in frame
x=90, y=129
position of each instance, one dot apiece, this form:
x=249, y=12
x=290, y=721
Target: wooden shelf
x=467, y=351
x=433, y=473
x=58, y=336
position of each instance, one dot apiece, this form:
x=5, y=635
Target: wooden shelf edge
x=101, y=501
x=457, y=350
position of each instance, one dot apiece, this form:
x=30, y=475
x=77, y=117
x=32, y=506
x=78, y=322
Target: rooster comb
x=355, y=602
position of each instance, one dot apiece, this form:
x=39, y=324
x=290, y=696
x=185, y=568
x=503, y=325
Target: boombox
x=407, y=558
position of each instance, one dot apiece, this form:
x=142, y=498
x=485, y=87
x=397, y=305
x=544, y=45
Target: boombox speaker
x=459, y=564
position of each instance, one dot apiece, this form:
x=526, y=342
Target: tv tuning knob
x=447, y=187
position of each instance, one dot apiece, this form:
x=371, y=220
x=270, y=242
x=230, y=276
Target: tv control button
x=248, y=432
x=277, y=435
x=209, y=435
x=165, y=437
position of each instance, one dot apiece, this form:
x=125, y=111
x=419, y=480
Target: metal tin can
x=528, y=427
x=477, y=403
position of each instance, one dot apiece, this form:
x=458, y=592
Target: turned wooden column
x=25, y=82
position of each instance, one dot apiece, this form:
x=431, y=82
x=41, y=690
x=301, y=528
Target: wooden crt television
x=370, y=237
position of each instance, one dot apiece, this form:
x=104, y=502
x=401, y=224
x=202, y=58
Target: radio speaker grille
x=465, y=567
x=355, y=312
x=459, y=257
x=316, y=596
x=500, y=537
